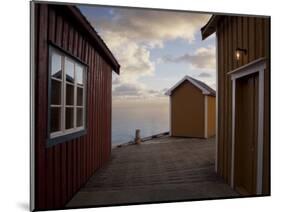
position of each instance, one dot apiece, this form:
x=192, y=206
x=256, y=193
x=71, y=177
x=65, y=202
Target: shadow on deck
x=163, y=169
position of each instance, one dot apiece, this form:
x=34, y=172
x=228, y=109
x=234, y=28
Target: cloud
x=128, y=90
x=203, y=58
x=131, y=34
x=134, y=58
x=153, y=27
x=204, y=75
x=135, y=91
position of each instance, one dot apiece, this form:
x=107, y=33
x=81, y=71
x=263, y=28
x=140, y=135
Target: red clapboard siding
x=63, y=168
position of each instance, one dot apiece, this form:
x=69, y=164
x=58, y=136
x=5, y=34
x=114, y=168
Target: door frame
x=259, y=66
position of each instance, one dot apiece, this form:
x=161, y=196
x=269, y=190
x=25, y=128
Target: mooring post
x=137, y=138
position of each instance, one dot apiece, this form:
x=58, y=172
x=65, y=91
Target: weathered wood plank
x=41, y=12
x=155, y=175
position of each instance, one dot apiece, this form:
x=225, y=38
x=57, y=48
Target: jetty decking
x=162, y=169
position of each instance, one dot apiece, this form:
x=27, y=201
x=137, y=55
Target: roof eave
x=187, y=78
x=210, y=27
x=94, y=35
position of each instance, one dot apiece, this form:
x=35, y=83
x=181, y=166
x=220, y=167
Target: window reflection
x=69, y=71
x=79, y=75
x=69, y=94
x=56, y=66
x=79, y=120
x=79, y=96
x=56, y=92
x=55, y=119
x=69, y=118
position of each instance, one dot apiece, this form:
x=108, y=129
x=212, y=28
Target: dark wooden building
x=73, y=70
x=243, y=100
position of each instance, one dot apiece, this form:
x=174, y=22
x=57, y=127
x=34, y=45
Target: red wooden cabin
x=72, y=120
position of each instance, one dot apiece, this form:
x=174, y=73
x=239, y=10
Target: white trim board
x=32, y=108
x=259, y=66
x=217, y=105
x=170, y=115
x=206, y=116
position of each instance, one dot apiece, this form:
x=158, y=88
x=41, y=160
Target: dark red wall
x=62, y=169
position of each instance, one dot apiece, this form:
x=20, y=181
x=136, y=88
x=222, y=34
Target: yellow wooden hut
x=192, y=109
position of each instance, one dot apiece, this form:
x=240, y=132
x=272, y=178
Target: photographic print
x=139, y=105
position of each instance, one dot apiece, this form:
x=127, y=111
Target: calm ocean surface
x=150, y=117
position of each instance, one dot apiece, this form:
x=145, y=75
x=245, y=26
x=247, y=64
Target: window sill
x=65, y=138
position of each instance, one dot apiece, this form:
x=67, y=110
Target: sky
x=155, y=49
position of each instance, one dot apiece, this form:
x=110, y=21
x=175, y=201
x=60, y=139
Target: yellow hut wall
x=187, y=111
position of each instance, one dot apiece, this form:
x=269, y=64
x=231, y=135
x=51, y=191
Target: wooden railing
x=155, y=136
x=159, y=135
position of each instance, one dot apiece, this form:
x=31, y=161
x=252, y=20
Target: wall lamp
x=239, y=52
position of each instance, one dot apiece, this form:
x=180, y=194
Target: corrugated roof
x=206, y=90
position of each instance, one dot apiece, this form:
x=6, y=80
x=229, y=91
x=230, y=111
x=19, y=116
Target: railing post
x=137, y=138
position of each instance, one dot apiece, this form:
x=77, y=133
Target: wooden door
x=246, y=134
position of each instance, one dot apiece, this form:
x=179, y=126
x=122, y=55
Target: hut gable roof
x=206, y=90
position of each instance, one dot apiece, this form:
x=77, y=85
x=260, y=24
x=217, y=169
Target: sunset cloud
x=133, y=34
x=205, y=75
x=152, y=27
x=135, y=91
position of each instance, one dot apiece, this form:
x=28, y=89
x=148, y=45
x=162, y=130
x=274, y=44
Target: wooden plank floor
x=162, y=169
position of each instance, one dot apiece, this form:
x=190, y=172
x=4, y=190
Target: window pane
x=79, y=119
x=79, y=96
x=56, y=92
x=69, y=70
x=69, y=118
x=56, y=65
x=69, y=94
x=55, y=119
x=79, y=75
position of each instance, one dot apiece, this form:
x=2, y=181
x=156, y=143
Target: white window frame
x=63, y=131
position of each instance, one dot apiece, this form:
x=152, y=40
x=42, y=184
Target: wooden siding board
x=41, y=83
x=90, y=118
x=57, y=178
x=219, y=150
x=95, y=109
x=229, y=96
x=70, y=39
x=104, y=113
x=51, y=25
x=266, y=156
x=98, y=114
x=90, y=161
x=225, y=70
x=86, y=139
x=252, y=35
x=65, y=33
x=100, y=109
x=94, y=114
x=245, y=39
x=239, y=37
